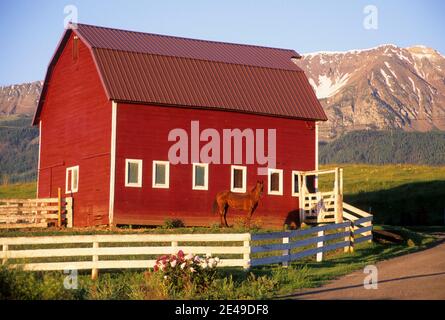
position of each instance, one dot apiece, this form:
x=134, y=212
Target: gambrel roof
x=148, y=68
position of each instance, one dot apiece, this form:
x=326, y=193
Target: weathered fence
x=361, y=227
x=293, y=245
x=35, y=213
x=124, y=251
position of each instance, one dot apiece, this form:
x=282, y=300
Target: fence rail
x=140, y=250
x=290, y=240
x=35, y=213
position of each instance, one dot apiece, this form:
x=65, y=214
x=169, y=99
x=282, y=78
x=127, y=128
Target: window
x=296, y=183
x=133, y=173
x=275, y=181
x=238, y=179
x=72, y=179
x=200, y=176
x=161, y=174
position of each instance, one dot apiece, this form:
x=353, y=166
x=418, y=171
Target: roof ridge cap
x=190, y=39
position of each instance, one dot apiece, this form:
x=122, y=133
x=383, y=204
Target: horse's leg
x=225, y=215
x=221, y=214
x=251, y=211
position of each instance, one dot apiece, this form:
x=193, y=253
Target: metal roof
x=155, y=69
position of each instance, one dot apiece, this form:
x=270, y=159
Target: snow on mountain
x=384, y=87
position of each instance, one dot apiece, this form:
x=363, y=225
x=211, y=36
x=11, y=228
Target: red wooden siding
x=76, y=130
x=142, y=133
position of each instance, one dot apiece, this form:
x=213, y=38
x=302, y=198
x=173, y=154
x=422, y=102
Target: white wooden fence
x=139, y=251
x=92, y=248
x=35, y=213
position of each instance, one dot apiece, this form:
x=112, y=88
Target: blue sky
x=31, y=29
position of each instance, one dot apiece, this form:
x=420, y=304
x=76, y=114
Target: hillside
x=19, y=147
x=385, y=147
x=382, y=88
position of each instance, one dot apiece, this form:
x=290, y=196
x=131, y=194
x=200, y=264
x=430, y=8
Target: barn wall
x=76, y=128
x=142, y=133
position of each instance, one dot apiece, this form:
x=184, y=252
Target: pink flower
x=155, y=268
x=173, y=263
x=181, y=254
x=183, y=265
x=189, y=256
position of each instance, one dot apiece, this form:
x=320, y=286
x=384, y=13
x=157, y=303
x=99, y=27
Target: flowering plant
x=186, y=272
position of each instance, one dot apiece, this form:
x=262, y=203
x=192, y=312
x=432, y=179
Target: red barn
x=129, y=120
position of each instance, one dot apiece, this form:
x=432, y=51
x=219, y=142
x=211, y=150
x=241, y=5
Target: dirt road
x=419, y=275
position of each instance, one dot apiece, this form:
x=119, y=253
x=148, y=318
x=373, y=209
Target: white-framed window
x=238, y=179
x=161, y=174
x=296, y=183
x=133, y=173
x=200, y=176
x=275, y=182
x=72, y=179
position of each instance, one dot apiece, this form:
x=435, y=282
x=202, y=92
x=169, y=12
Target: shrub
x=184, y=275
x=173, y=223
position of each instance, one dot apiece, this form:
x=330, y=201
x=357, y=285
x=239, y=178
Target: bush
x=183, y=275
x=173, y=223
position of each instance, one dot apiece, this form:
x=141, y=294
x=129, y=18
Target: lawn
x=18, y=191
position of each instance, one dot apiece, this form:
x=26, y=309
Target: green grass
x=18, y=191
x=395, y=194
x=359, y=178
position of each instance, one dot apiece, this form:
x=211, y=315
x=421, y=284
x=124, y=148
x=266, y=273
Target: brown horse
x=242, y=201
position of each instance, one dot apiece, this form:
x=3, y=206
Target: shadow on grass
x=417, y=203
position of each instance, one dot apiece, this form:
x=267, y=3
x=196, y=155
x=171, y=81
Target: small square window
x=72, y=179
x=133, y=173
x=200, y=176
x=275, y=182
x=161, y=174
x=238, y=179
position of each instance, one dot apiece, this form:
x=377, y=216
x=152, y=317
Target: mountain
x=386, y=87
x=19, y=99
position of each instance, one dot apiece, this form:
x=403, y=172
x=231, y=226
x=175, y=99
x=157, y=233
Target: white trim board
x=112, y=161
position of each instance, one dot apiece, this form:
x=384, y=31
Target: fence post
x=347, y=238
x=94, y=270
x=286, y=252
x=246, y=255
x=302, y=197
x=338, y=196
x=174, y=245
x=59, y=207
x=320, y=245
x=4, y=250
x=351, y=237
x=69, y=212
